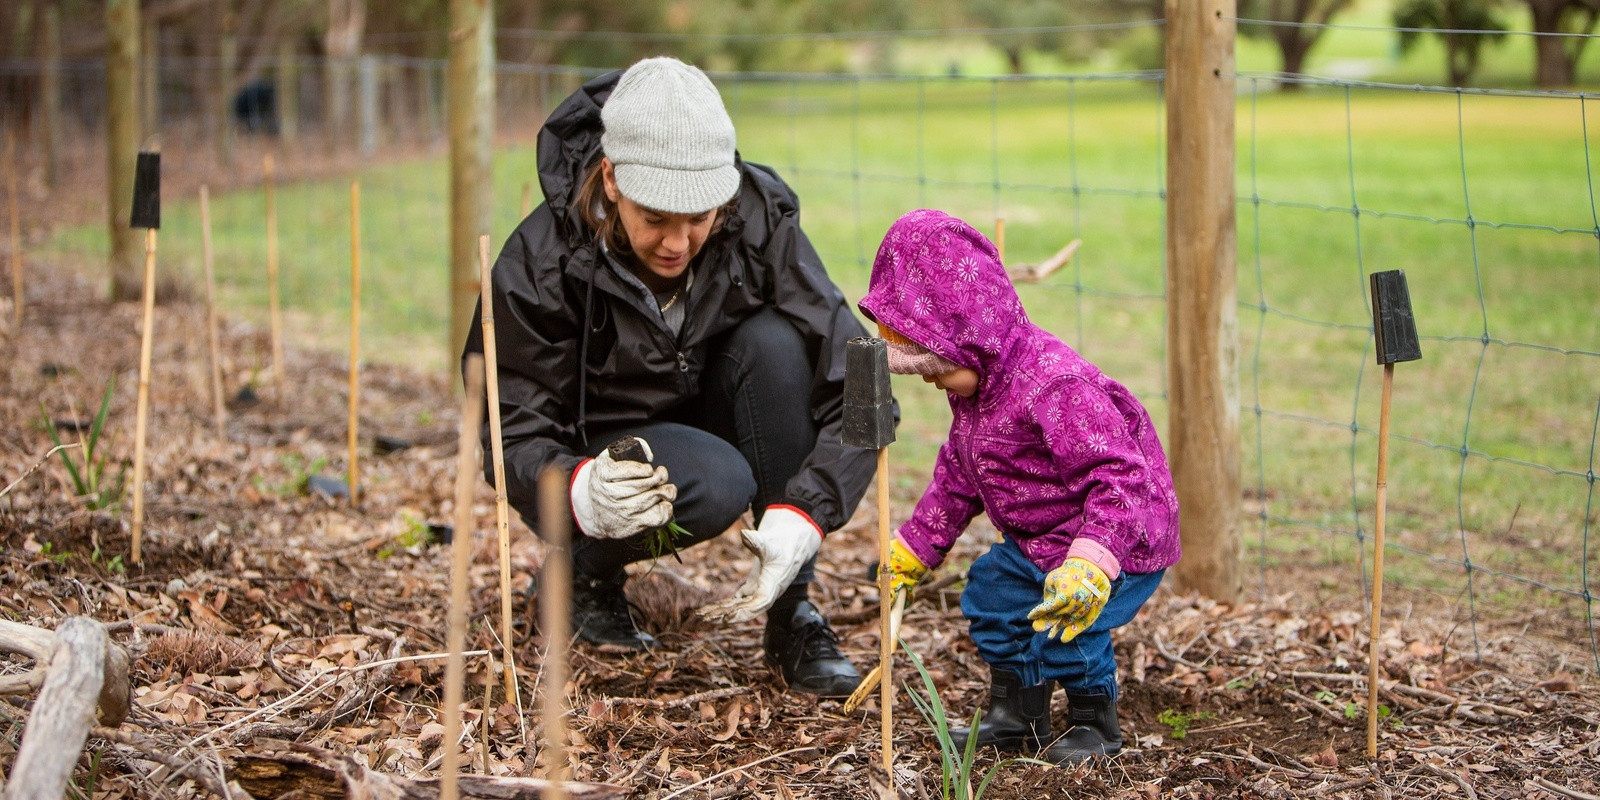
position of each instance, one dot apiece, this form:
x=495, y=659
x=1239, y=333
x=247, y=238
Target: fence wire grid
x=1486, y=198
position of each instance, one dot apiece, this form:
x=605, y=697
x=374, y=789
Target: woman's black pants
x=734, y=446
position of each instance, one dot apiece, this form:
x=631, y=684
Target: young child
x=1064, y=461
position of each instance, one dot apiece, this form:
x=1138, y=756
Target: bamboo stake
x=527, y=200
x=885, y=613
x=460, y=555
x=275, y=323
x=142, y=420
x=555, y=593
x=501, y=509
x=1377, y=559
x=218, y=410
x=355, y=338
x=1000, y=238
x=16, y=229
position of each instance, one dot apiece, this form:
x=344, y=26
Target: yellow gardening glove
x=905, y=569
x=1074, y=594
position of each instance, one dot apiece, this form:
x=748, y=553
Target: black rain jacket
x=579, y=350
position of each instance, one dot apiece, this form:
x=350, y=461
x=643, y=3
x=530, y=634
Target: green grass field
x=1083, y=159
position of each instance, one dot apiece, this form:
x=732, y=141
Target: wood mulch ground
x=260, y=607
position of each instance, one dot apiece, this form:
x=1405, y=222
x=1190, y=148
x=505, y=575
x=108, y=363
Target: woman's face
x=664, y=243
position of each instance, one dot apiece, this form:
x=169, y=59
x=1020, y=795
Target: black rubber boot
x=1018, y=717
x=804, y=646
x=600, y=615
x=1094, y=731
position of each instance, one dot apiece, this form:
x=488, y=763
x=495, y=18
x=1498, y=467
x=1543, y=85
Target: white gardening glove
x=614, y=499
x=784, y=541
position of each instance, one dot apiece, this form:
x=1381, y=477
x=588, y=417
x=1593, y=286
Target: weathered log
x=63, y=714
x=290, y=767
x=116, y=693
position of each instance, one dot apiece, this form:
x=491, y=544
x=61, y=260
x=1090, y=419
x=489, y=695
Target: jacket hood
x=568, y=143
x=939, y=282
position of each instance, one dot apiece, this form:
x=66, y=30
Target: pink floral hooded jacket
x=1048, y=446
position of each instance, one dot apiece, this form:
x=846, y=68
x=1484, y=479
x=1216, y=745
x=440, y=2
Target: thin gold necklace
x=673, y=299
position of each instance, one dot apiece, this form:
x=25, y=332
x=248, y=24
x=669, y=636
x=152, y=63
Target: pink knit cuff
x=1096, y=554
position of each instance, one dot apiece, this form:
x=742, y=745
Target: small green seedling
x=48, y=550
x=662, y=540
x=299, y=475
x=1180, y=721
x=89, y=479
x=956, y=764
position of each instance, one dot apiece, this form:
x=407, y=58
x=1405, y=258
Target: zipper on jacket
x=683, y=362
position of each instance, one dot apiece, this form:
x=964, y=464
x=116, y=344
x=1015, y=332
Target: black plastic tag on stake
x=147, y=192
x=1393, y=326
x=868, y=400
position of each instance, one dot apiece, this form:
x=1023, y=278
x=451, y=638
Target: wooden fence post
x=471, y=108
x=1202, y=315
x=122, y=144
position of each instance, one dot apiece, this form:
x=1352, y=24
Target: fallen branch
x=300, y=770
x=693, y=699
x=39, y=644
x=1563, y=791
x=64, y=711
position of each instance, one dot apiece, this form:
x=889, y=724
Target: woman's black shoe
x=1018, y=717
x=600, y=615
x=1094, y=730
x=803, y=645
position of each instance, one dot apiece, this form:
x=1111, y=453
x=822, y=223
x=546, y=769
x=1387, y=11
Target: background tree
x=1461, y=50
x=1557, y=63
x=1294, y=40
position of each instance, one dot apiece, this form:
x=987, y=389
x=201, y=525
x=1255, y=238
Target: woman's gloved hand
x=1074, y=595
x=905, y=569
x=614, y=499
x=784, y=541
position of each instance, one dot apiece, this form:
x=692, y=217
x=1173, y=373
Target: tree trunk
x=1554, y=66
x=50, y=89
x=347, y=20
x=471, y=109
x=122, y=146
x=1294, y=44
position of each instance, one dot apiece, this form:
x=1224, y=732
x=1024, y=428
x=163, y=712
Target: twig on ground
x=1316, y=706
x=158, y=752
x=30, y=470
x=693, y=699
x=1452, y=775
x=338, y=673
x=730, y=771
x=1563, y=791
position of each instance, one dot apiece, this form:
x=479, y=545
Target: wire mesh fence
x=1486, y=198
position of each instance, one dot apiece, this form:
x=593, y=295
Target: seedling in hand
x=664, y=539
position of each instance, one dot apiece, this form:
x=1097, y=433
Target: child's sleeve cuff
x=1096, y=554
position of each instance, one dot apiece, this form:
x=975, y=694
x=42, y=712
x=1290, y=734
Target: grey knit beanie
x=669, y=138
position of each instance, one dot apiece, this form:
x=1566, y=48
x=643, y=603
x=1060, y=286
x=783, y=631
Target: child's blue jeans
x=1003, y=586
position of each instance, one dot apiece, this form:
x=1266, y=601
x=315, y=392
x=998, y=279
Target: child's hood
x=940, y=283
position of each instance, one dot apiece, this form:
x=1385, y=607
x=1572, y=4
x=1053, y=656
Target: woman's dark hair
x=599, y=212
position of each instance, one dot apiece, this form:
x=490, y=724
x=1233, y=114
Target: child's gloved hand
x=1074, y=594
x=905, y=569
